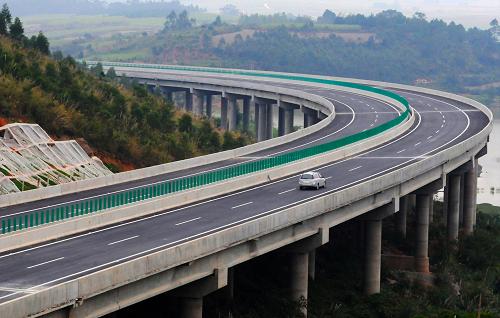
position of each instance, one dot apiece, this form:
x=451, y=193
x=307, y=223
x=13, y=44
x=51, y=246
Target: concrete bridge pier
x=285, y=121
x=302, y=264
x=401, y=217
x=453, y=217
x=188, y=104
x=373, y=250
x=191, y=295
x=262, y=125
x=422, y=233
x=167, y=93
x=198, y=99
x=469, y=199
x=373, y=245
x=423, y=198
x=232, y=112
x=270, y=121
x=223, y=112
x=310, y=116
x=246, y=112
x=208, y=106
x=299, y=276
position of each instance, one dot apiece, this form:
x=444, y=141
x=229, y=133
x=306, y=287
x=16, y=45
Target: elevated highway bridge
x=92, y=247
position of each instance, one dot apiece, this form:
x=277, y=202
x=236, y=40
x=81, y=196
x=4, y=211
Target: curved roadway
x=440, y=123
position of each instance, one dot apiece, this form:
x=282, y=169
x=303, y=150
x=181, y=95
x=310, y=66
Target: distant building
x=422, y=81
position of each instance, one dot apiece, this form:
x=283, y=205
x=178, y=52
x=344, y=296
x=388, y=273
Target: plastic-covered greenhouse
x=30, y=159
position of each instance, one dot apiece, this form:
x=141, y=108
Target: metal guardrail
x=109, y=201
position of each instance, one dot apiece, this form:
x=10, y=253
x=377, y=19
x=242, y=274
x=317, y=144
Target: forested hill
x=394, y=48
x=123, y=123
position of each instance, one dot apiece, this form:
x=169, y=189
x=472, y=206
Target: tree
x=171, y=21
x=186, y=123
x=5, y=20
x=111, y=73
x=42, y=44
x=17, y=30
x=419, y=16
x=494, y=23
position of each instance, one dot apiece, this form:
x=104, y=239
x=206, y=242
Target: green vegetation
x=388, y=46
x=122, y=121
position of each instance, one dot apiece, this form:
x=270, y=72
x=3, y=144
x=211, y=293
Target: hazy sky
x=468, y=12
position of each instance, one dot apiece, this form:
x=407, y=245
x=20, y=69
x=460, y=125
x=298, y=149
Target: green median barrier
x=4, y=226
x=14, y=226
x=32, y=223
x=8, y=225
x=20, y=222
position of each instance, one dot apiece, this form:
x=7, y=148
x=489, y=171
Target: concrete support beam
x=191, y=295
x=312, y=265
x=310, y=117
x=188, y=106
x=373, y=249
x=422, y=233
x=470, y=190
x=232, y=113
x=289, y=116
x=401, y=217
x=281, y=122
x=223, y=112
x=299, y=273
x=453, y=207
x=257, y=118
x=246, y=113
x=208, y=109
x=262, y=122
x=198, y=99
x=270, y=121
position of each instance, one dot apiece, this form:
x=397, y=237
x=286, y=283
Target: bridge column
x=167, y=94
x=191, y=295
x=188, y=106
x=470, y=189
x=262, y=122
x=232, y=113
x=453, y=207
x=312, y=265
x=299, y=275
x=372, y=223
x=285, y=121
x=246, y=112
x=302, y=263
x=270, y=121
x=310, y=116
x=422, y=233
x=373, y=250
x=208, y=109
x=256, y=118
x=223, y=112
x=198, y=103
x=401, y=217
x=281, y=121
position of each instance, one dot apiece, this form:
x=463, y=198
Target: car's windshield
x=307, y=176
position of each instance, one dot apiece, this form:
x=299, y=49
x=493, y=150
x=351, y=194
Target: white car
x=312, y=179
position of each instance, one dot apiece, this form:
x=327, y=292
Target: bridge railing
x=113, y=200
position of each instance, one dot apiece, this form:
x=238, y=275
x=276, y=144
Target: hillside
x=387, y=46
x=126, y=125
